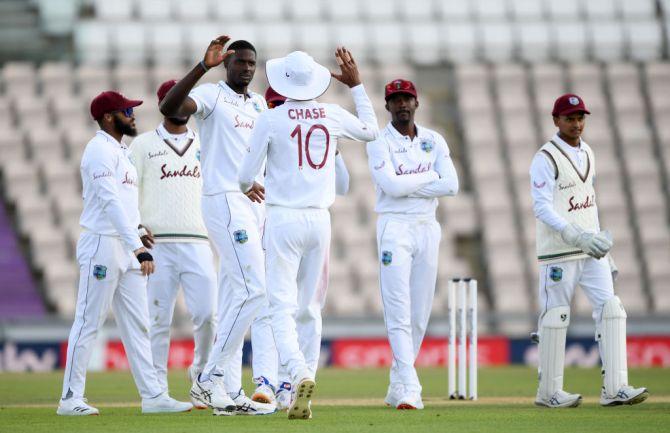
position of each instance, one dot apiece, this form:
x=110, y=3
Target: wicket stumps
x=462, y=309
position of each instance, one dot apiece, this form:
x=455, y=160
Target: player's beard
x=124, y=128
x=179, y=121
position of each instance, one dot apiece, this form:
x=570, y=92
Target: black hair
x=242, y=45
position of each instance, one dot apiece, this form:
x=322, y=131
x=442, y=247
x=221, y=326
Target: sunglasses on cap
x=397, y=85
x=128, y=112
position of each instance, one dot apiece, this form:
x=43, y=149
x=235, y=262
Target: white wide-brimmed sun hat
x=297, y=76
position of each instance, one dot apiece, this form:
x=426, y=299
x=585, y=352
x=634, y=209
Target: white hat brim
x=275, y=70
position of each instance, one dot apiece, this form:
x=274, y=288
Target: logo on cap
x=398, y=85
x=573, y=100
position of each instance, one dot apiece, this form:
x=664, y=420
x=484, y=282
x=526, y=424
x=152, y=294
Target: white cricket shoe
x=164, y=404
x=264, y=392
x=76, y=407
x=409, y=401
x=192, y=376
x=247, y=407
x=212, y=393
x=559, y=399
x=626, y=395
x=301, y=397
x=283, y=396
x=394, y=394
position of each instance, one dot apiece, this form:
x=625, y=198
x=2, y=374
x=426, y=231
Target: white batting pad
x=612, y=339
x=552, y=350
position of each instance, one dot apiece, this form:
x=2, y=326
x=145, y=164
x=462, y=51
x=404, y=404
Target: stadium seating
x=503, y=62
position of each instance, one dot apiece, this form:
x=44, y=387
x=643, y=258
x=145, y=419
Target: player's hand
x=595, y=245
x=350, y=75
x=147, y=238
x=215, y=55
x=147, y=266
x=256, y=193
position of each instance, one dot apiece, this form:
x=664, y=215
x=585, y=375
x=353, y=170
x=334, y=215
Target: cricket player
x=283, y=392
x=411, y=168
x=113, y=264
x=226, y=113
x=167, y=161
x=572, y=250
x=299, y=140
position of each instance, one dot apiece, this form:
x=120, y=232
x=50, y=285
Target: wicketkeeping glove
x=594, y=244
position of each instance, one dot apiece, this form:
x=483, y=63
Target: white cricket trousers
x=297, y=244
x=408, y=247
x=235, y=225
x=109, y=274
x=191, y=266
x=558, y=281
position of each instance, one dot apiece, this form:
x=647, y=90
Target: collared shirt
x=411, y=173
x=543, y=172
x=225, y=121
x=110, y=190
x=299, y=139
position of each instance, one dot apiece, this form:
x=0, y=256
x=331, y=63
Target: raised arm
x=381, y=167
x=177, y=103
x=364, y=127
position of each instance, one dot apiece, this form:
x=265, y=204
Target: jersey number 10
x=298, y=131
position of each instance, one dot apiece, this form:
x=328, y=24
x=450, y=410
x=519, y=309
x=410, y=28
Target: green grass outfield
x=347, y=401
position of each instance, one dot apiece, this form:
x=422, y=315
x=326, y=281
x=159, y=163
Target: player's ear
x=416, y=103
x=555, y=121
x=387, y=106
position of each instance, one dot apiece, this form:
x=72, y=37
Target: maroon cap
x=568, y=104
x=164, y=89
x=399, y=86
x=272, y=96
x=109, y=101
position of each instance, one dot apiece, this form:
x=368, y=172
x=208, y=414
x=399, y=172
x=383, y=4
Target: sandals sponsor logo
x=589, y=202
x=421, y=168
x=184, y=172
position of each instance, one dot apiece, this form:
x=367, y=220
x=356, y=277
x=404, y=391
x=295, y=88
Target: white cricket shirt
x=410, y=174
x=110, y=191
x=299, y=139
x=225, y=121
x=170, y=184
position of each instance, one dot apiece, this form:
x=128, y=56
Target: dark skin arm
x=177, y=103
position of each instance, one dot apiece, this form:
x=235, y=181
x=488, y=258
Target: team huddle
x=255, y=182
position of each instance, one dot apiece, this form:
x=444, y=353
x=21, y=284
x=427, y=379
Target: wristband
x=144, y=257
x=203, y=66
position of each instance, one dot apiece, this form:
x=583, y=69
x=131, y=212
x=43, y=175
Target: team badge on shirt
x=197, y=155
x=99, y=272
x=556, y=273
x=427, y=146
x=387, y=257
x=257, y=106
x=240, y=236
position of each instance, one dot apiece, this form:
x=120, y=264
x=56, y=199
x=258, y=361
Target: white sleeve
x=341, y=176
x=542, y=182
x=383, y=173
x=258, y=150
x=204, y=99
x=447, y=184
x=100, y=170
x=364, y=127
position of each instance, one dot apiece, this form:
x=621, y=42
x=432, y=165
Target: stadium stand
x=506, y=62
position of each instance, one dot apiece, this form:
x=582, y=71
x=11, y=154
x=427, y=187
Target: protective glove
x=595, y=245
